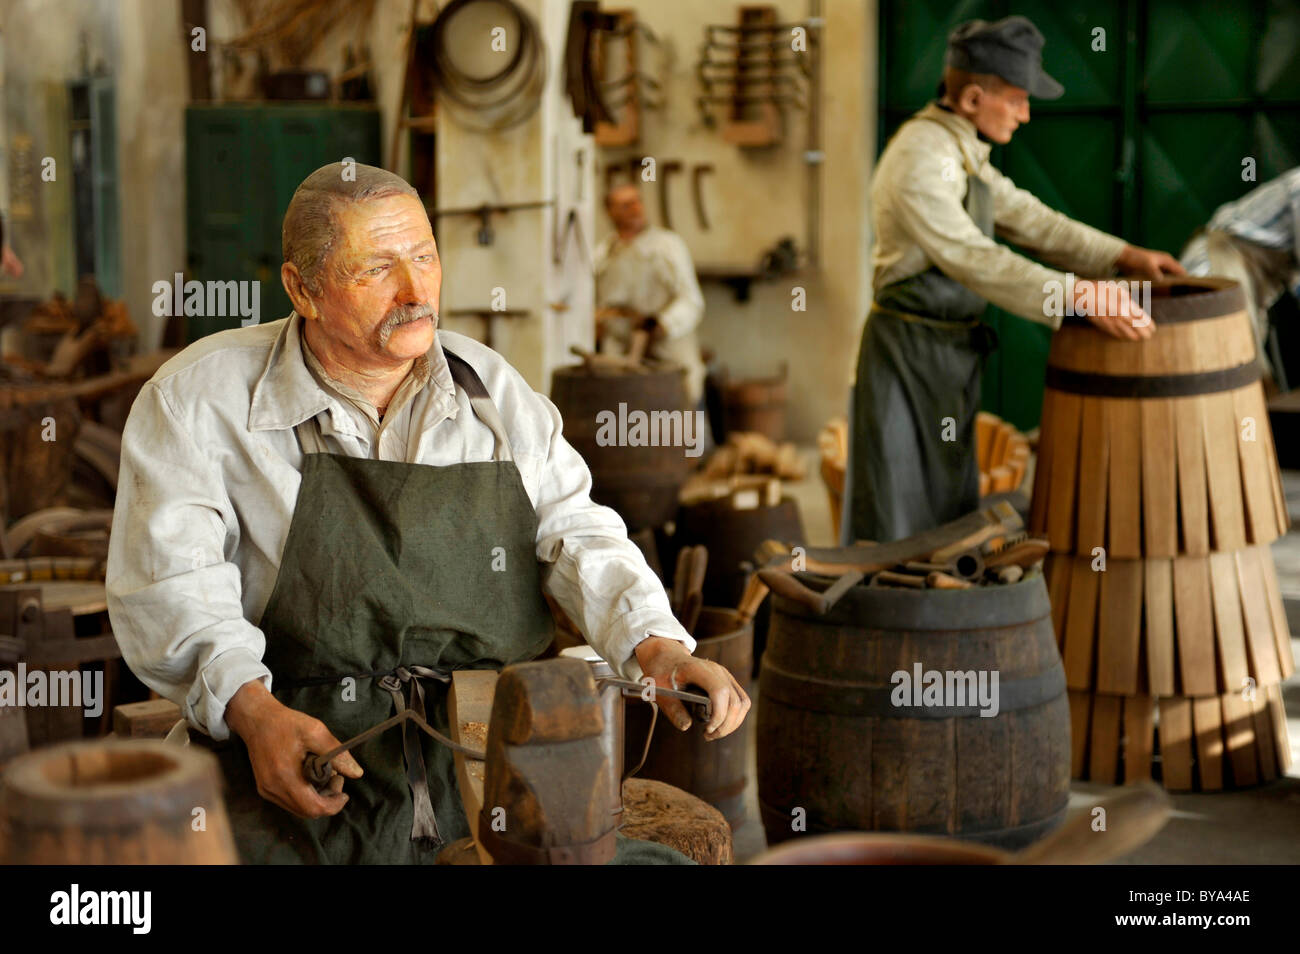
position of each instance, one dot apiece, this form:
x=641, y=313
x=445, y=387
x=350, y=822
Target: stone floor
x=1253, y=826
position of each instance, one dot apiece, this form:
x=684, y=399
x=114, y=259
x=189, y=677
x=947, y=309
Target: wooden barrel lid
x=116, y=783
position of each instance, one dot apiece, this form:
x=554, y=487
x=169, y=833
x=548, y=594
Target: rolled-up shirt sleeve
x=173, y=597
x=596, y=574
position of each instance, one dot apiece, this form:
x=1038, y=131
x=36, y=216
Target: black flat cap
x=1011, y=48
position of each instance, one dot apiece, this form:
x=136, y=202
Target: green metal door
x=1164, y=100
x=243, y=164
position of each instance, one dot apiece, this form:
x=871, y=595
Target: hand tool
x=943, y=581
x=697, y=191
x=755, y=592
x=318, y=770
x=890, y=578
x=666, y=169
x=700, y=705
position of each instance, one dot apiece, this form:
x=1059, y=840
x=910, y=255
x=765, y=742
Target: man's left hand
x=1148, y=263
x=672, y=667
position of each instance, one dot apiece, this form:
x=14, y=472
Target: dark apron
x=919, y=364
x=387, y=584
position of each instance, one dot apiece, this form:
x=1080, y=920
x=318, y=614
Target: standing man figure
x=937, y=203
x=645, y=279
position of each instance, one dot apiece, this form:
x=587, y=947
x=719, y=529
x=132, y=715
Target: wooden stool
x=658, y=812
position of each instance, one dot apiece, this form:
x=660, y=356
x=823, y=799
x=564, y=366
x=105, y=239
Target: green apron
x=392, y=576
x=919, y=364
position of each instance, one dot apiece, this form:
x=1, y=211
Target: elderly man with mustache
x=319, y=518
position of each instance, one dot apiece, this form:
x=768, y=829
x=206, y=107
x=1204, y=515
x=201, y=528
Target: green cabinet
x=242, y=164
x=1147, y=141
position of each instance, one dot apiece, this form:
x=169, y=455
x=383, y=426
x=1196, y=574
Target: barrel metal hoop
x=1152, y=386
x=1214, y=298
x=849, y=699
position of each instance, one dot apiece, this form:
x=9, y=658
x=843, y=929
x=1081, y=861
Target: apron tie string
x=424, y=824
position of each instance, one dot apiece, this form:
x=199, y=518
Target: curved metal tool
x=318, y=770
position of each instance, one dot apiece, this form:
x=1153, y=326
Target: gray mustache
x=404, y=315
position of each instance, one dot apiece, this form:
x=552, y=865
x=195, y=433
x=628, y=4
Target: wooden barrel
x=732, y=536
x=713, y=771
x=841, y=746
x=1159, y=447
x=756, y=404
x=629, y=473
x=114, y=802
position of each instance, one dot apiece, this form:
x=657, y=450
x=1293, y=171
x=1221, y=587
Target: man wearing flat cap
x=937, y=204
x=320, y=518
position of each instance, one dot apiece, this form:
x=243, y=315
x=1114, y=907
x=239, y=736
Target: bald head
x=311, y=222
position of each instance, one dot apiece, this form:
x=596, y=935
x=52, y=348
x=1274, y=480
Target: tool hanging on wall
x=485, y=235
x=503, y=99
x=740, y=68
x=486, y=315
x=634, y=89
x=697, y=191
x=667, y=169
x=581, y=81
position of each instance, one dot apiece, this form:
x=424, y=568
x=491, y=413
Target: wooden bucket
x=835, y=753
x=757, y=404
x=1198, y=743
x=713, y=771
x=1160, y=447
x=639, y=482
x=114, y=802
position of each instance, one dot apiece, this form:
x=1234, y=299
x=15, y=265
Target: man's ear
x=296, y=288
x=969, y=98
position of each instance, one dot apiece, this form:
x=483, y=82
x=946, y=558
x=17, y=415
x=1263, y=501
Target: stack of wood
x=747, y=470
x=1003, y=454
x=83, y=332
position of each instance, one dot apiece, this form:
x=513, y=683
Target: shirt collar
x=975, y=150
x=287, y=393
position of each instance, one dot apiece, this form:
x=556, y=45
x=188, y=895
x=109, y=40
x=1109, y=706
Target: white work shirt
x=209, y=479
x=917, y=210
x=652, y=274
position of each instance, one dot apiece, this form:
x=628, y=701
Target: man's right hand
x=279, y=739
x=1108, y=306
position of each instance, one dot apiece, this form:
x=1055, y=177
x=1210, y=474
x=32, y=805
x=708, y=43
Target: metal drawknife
x=318, y=770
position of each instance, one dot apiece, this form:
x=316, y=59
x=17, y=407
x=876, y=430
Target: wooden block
x=1230, y=633
x=1194, y=627
x=1103, y=756
x=1093, y=485
x=1080, y=625
x=151, y=719
x=1060, y=503
x=1124, y=491
x=1260, y=646
x=1158, y=584
x=1159, y=479
x=1119, y=628
x=1080, y=710
x=469, y=708
x=1193, y=509
x=1139, y=732
x=1223, y=473
x=1281, y=630
x=985, y=425
x=1239, y=738
x=1256, y=465
x=1176, y=743
x=1206, y=721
